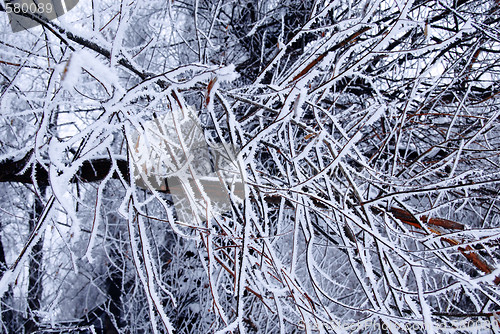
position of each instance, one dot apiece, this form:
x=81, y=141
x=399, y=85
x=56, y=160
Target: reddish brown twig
x=467, y=251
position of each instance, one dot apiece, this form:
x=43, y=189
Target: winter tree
x=250, y=167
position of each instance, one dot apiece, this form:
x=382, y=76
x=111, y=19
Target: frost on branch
x=241, y=167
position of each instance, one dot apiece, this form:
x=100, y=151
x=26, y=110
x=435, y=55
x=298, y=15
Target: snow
x=426, y=311
x=310, y=152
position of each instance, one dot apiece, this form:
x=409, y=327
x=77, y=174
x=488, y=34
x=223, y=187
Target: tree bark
x=12, y=170
x=35, y=268
x=7, y=314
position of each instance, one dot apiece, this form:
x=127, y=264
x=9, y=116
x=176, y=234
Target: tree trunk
x=114, y=289
x=35, y=286
x=6, y=313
